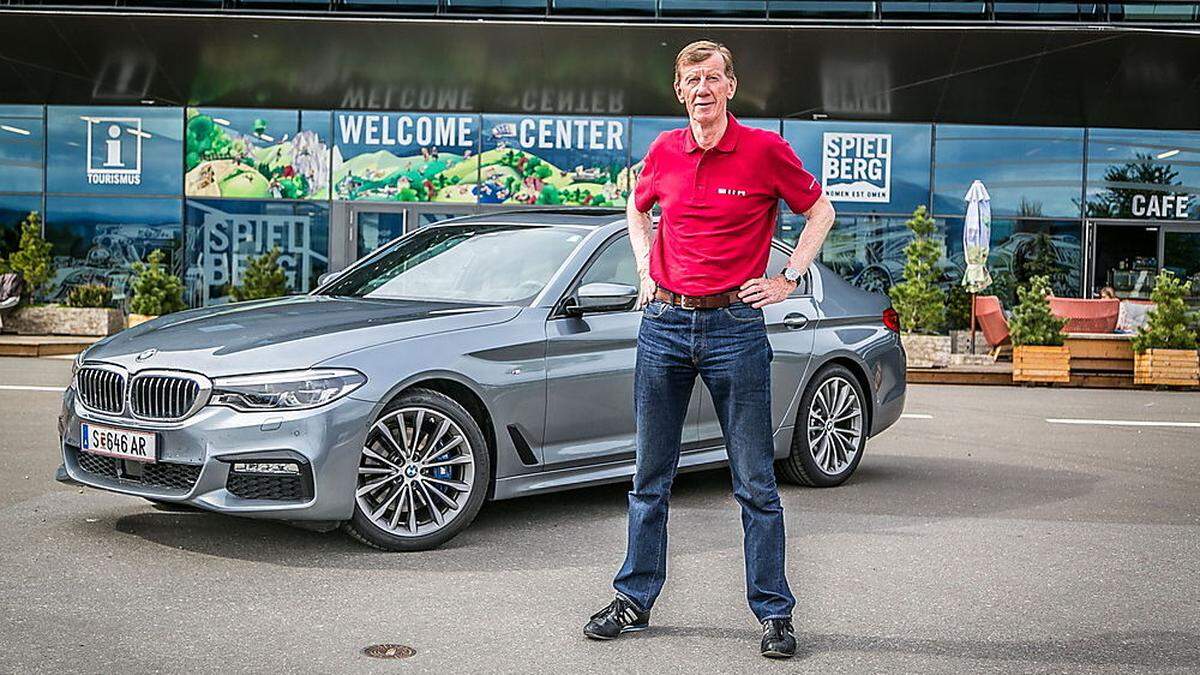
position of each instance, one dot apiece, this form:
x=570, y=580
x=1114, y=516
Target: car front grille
x=162, y=397
x=260, y=486
x=167, y=475
x=170, y=475
x=98, y=464
x=102, y=389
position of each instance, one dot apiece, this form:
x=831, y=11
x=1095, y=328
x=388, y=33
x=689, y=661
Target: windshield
x=500, y=264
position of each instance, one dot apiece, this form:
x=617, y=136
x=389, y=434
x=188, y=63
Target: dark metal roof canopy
x=1065, y=76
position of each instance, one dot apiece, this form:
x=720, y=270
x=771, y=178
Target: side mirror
x=602, y=297
x=327, y=277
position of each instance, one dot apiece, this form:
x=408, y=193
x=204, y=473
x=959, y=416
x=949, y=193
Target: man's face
x=705, y=89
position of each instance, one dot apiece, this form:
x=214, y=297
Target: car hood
x=284, y=333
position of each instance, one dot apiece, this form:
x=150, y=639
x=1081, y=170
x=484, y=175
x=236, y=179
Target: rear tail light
x=891, y=319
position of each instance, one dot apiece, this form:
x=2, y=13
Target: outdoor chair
x=992, y=321
x=1085, y=315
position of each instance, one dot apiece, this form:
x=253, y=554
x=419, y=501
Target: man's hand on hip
x=758, y=292
x=646, y=292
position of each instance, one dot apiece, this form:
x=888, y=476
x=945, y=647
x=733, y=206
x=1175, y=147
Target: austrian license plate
x=102, y=440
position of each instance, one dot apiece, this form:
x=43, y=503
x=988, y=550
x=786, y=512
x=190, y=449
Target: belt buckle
x=685, y=301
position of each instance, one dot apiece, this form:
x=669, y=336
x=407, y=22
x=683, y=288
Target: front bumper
x=195, y=458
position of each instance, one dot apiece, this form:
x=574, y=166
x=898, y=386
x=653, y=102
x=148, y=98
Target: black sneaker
x=779, y=639
x=619, y=617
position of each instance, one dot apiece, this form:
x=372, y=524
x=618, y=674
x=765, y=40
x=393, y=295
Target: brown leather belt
x=698, y=301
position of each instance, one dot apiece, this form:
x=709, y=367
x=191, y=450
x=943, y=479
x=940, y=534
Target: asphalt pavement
x=993, y=529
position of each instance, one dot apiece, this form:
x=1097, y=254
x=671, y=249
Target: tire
x=840, y=449
x=384, y=515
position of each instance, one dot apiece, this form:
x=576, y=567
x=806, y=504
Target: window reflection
x=223, y=234
x=96, y=240
x=13, y=210
x=1143, y=174
x=1029, y=171
x=22, y=141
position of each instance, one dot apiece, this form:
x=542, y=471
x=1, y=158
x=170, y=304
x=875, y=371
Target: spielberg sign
x=228, y=240
x=856, y=167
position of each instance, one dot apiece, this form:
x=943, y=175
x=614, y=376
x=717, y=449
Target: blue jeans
x=728, y=347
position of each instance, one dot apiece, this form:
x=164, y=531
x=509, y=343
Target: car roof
x=576, y=216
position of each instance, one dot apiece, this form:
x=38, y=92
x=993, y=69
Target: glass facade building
x=214, y=186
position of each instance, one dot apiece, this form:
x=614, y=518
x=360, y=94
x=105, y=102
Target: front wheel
x=422, y=475
x=831, y=432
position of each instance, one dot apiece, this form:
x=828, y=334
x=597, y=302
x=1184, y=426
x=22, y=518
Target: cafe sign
x=1159, y=205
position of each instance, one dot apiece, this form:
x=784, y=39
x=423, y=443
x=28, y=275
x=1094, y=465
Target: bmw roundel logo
x=146, y=354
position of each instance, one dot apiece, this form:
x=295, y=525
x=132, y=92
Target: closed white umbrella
x=977, y=236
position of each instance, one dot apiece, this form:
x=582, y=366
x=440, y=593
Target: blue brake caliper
x=442, y=472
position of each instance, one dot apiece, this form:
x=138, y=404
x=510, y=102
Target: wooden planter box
x=135, y=319
x=60, y=320
x=1041, y=364
x=1167, y=366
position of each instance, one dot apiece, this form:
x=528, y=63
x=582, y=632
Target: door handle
x=795, y=321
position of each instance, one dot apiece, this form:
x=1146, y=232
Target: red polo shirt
x=719, y=205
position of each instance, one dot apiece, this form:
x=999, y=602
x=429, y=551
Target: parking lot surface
x=993, y=529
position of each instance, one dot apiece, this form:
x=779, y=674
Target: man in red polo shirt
x=702, y=292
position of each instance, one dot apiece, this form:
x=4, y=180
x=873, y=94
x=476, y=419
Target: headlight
x=289, y=390
x=75, y=366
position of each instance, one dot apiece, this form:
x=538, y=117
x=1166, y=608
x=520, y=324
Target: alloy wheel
x=835, y=425
x=416, y=472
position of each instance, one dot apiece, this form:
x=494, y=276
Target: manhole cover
x=389, y=651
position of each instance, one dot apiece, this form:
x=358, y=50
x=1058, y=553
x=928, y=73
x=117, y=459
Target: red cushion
x=1085, y=315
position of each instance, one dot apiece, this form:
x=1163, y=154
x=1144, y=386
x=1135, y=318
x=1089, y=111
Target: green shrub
x=919, y=300
x=264, y=278
x=32, y=258
x=89, y=295
x=958, y=307
x=1169, y=325
x=1032, y=324
x=155, y=291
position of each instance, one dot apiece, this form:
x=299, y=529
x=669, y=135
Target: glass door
x=1123, y=255
x=1127, y=255
x=361, y=227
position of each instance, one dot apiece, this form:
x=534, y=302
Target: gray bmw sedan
x=486, y=357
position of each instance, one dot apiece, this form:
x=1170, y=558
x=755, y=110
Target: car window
x=471, y=262
x=775, y=264
x=614, y=265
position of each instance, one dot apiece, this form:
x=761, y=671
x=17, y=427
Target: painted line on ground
x=21, y=387
x=917, y=416
x=1122, y=423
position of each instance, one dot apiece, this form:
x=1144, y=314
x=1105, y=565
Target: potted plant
x=919, y=300
x=155, y=291
x=32, y=258
x=1038, y=351
x=1164, y=349
x=264, y=278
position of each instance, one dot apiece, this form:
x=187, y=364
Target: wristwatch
x=792, y=274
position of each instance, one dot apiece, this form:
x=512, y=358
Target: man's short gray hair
x=701, y=50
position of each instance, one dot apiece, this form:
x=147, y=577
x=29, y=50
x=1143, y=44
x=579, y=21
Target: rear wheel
x=831, y=432
x=422, y=474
